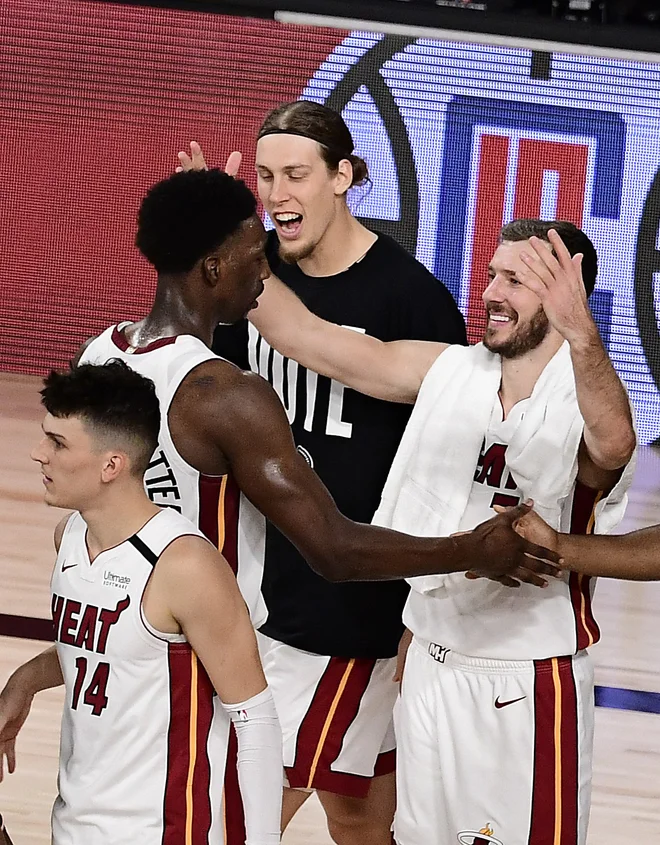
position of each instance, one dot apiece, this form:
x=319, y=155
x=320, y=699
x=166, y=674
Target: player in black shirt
x=332, y=648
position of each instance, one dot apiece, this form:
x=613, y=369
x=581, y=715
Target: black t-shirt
x=349, y=439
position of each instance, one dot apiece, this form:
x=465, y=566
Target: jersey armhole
x=161, y=636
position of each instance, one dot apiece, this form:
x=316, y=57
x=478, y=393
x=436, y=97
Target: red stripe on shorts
x=178, y=744
x=201, y=775
x=555, y=790
x=569, y=753
x=332, y=711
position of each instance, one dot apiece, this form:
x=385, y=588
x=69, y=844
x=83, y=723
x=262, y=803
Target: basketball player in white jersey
x=154, y=644
x=496, y=716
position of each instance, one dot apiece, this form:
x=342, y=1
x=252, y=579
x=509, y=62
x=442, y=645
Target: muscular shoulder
x=217, y=382
x=190, y=563
x=217, y=398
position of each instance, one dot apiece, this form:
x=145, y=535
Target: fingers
x=512, y=514
x=198, y=161
x=549, y=260
x=11, y=757
x=185, y=162
x=540, y=553
x=529, y=577
x=194, y=161
x=507, y=581
x=560, y=248
x=233, y=163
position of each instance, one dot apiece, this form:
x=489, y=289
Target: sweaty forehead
x=282, y=150
x=250, y=235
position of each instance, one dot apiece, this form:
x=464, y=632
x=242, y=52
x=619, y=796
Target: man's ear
x=344, y=177
x=114, y=464
x=211, y=267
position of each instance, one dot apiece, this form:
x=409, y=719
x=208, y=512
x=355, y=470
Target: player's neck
x=345, y=241
x=175, y=311
x=119, y=516
x=519, y=375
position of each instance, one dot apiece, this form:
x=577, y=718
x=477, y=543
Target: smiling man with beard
x=496, y=715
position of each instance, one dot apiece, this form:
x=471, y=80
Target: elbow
x=331, y=570
x=333, y=565
x=617, y=453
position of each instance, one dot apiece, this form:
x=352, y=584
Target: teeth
x=287, y=218
x=499, y=318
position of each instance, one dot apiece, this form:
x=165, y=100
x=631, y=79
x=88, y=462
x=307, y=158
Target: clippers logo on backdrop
x=501, y=159
x=507, y=160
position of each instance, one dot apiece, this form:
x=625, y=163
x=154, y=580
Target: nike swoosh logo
x=69, y=566
x=499, y=704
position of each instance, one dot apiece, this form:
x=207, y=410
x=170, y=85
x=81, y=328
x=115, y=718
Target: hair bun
x=360, y=170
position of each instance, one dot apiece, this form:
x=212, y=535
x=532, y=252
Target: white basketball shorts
x=336, y=717
x=492, y=751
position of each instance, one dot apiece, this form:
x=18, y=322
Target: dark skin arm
x=633, y=557
x=223, y=419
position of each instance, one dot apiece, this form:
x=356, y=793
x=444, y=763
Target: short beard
x=524, y=339
x=291, y=254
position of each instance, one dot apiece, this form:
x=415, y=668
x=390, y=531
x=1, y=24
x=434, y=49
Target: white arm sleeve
x=260, y=766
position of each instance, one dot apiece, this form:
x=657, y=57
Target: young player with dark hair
x=496, y=714
x=306, y=167
x=149, y=626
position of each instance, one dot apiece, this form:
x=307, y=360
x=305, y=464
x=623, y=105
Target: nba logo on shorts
x=507, y=160
x=479, y=837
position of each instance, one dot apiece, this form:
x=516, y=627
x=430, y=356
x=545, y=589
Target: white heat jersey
x=213, y=503
x=144, y=739
x=484, y=619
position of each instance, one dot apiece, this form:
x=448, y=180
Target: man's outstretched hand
x=507, y=554
x=196, y=160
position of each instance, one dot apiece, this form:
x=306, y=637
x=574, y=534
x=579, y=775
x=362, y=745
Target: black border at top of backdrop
x=495, y=21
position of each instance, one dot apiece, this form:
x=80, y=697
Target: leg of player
x=4, y=836
x=362, y=821
x=292, y=801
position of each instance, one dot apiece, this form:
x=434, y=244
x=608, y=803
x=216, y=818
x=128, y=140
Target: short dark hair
x=114, y=402
x=574, y=238
x=323, y=125
x=185, y=217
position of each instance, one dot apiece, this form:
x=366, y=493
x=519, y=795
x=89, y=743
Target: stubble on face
x=291, y=253
x=525, y=338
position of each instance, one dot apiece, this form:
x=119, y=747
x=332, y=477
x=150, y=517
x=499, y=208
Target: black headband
x=334, y=150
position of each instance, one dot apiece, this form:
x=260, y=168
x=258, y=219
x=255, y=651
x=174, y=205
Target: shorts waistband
x=450, y=657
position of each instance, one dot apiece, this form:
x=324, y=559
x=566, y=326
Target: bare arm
x=241, y=415
x=392, y=371
x=40, y=673
x=609, y=436
x=197, y=586
x=633, y=557
x=200, y=592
